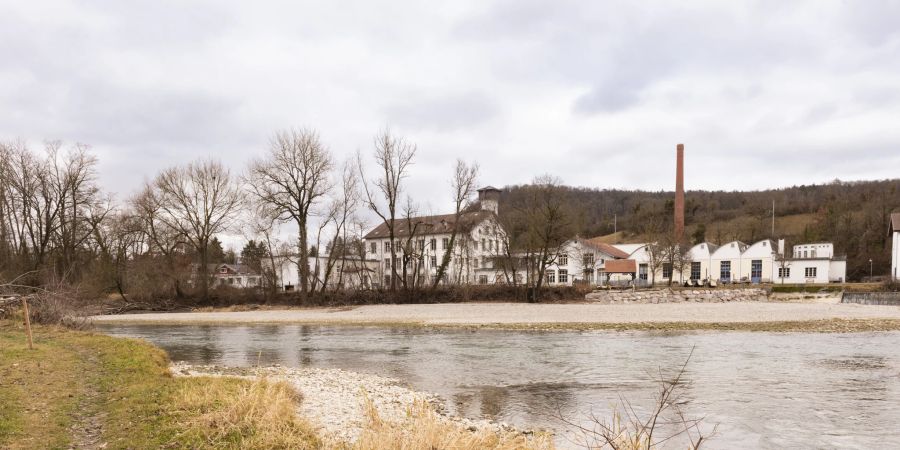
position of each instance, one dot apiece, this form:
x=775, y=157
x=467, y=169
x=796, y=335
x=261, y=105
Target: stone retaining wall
x=872, y=298
x=679, y=296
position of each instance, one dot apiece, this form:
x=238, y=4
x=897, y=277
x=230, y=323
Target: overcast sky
x=763, y=94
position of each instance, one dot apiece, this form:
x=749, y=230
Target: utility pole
x=615, y=223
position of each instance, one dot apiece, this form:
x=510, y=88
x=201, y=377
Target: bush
x=228, y=297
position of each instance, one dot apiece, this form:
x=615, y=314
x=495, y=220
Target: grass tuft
x=234, y=413
x=424, y=429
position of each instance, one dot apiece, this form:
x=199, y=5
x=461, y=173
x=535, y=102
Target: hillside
x=853, y=215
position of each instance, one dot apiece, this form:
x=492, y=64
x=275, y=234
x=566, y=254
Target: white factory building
x=732, y=263
x=420, y=244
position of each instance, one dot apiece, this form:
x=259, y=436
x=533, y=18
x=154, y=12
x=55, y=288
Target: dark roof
x=489, y=188
x=895, y=221
x=607, y=248
x=429, y=225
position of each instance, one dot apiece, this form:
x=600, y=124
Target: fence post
x=28, y=324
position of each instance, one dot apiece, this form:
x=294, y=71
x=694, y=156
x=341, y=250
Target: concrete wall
x=679, y=296
x=872, y=298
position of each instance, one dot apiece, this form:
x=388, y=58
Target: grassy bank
x=78, y=389
x=85, y=390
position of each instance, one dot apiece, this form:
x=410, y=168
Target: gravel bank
x=334, y=400
x=514, y=315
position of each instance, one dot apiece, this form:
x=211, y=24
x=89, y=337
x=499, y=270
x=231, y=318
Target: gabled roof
x=895, y=222
x=606, y=248
x=430, y=225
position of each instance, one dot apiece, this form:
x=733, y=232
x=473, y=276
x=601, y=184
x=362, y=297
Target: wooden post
x=28, y=324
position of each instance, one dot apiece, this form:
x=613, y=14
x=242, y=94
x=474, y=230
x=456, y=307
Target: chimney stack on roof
x=679, y=193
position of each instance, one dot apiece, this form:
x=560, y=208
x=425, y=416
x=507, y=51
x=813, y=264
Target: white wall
x=484, y=242
x=895, y=256
x=798, y=271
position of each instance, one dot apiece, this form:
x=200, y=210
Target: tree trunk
x=204, y=267
x=303, y=263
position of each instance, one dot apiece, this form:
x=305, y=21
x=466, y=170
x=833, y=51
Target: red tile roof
x=620, y=266
x=607, y=248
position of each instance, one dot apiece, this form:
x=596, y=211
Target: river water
x=759, y=390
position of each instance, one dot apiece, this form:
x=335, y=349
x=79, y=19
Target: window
x=563, y=276
x=588, y=259
x=695, y=270
x=475, y=245
x=434, y=261
x=642, y=272
x=373, y=248
x=563, y=260
x=589, y=276
x=484, y=244
x=784, y=272
x=433, y=244
x=387, y=246
x=810, y=272
x=387, y=264
x=551, y=277
x=756, y=269
x=725, y=270
x=813, y=254
x=421, y=245
x=667, y=270
x=805, y=254
x=482, y=279
x=445, y=243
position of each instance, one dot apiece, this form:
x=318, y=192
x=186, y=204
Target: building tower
x=679, y=193
x=489, y=197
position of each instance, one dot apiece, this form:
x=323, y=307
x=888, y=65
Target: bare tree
x=539, y=227
x=198, y=201
x=343, y=208
x=393, y=156
x=291, y=180
x=464, y=180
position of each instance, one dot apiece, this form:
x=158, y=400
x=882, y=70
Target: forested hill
x=853, y=215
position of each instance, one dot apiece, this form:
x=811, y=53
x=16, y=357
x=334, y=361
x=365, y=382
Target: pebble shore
x=333, y=400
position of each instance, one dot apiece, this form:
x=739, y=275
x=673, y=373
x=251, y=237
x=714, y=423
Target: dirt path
x=87, y=423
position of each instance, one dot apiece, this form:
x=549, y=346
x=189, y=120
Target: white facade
x=811, y=270
x=818, y=250
x=736, y=262
x=895, y=256
x=726, y=263
x=472, y=261
x=895, y=246
x=349, y=273
x=580, y=260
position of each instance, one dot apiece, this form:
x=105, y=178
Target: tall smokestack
x=679, y=193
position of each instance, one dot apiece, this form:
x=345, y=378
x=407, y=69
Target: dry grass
x=234, y=413
x=425, y=429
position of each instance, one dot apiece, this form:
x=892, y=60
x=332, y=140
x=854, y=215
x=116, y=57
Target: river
x=760, y=390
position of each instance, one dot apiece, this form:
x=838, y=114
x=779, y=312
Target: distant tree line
x=853, y=215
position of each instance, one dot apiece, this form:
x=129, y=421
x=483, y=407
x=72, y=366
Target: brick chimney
x=679, y=193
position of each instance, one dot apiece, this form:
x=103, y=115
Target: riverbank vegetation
x=85, y=390
x=79, y=389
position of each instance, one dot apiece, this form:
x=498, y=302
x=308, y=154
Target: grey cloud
x=443, y=112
